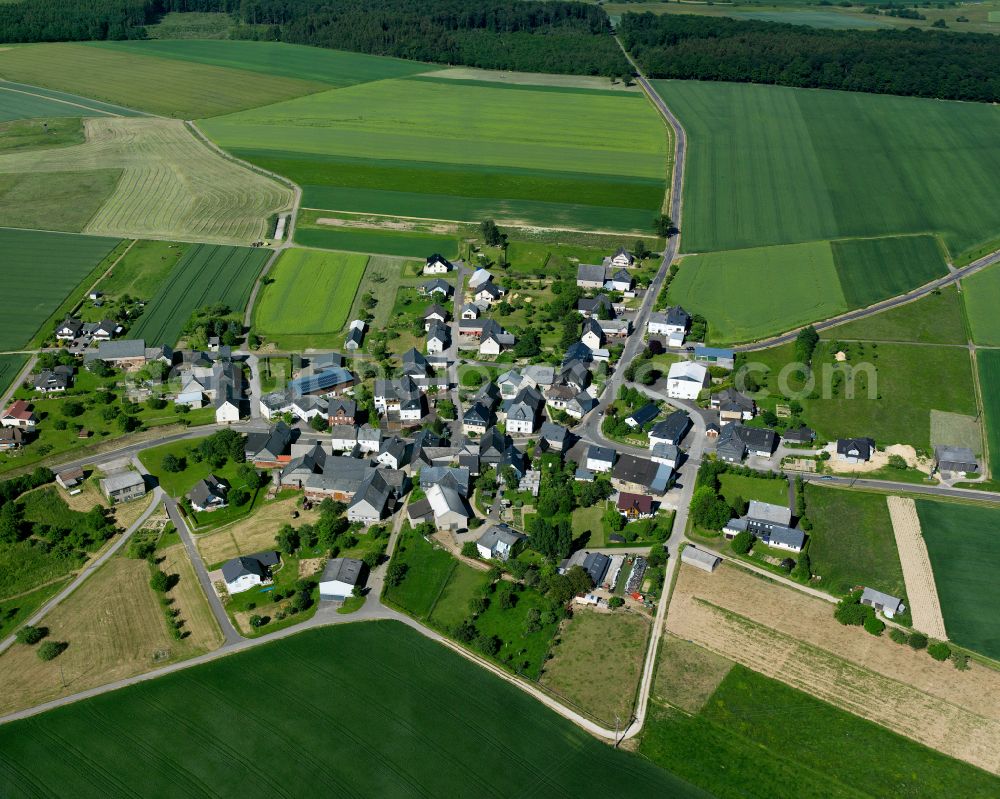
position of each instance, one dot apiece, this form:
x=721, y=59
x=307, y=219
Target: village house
x=600, y=459
x=478, y=279
x=208, y=494
x=671, y=430
x=339, y=578
x=499, y=542
x=674, y=321
x=736, y=441
x=554, y=437
x=394, y=453
x=270, y=449
x=128, y=354
x=249, y=571
x=769, y=523
x=639, y=475
x=635, y=506
x=621, y=258
x=477, y=419
x=488, y=294
x=855, y=450
x=667, y=454
x=341, y=411
x=69, y=329
x=437, y=265
x=592, y=334
x=523, y=412
x=12, y=438
x=438, y=339
x=615, y=328
x=104, y=330
x=415, y=365
x=123, y=487
x=51, y=381
x=19, y=414
x=641, y=417
x=470, y=311
x=955, y=459
x=494, y=339
x=434, y=313
x=436, y=286
x=401, y=396
x=686, y=379
x=370, y=503
x=886, y=604
x=355, y=336
x=449, y=508
x=598, y=306
x=733, y=406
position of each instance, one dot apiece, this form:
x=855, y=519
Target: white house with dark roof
x=855, y=450
x=674, y=320
x=437, y=265
x=499, y=542
x=248, y=571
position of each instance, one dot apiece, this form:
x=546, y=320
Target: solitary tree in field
x=663, y=225
x=30, y=635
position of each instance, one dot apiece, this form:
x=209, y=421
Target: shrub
x=917, y=641
x=939, y=651
x=30, y=635
x=159, y=582
x=897, y=635
x=171, y=463
x=615, y=602
x=850, y=611
x=50, y=650
x=874, y=625
x=742, y=542
x=960, y=660
x=470, y=550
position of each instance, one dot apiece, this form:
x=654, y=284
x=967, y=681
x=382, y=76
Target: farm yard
x=308, y=296
x=437, y=148
x=836, y=755
x=750, y=294
x=183, y=89
x=788, y=636
x=419, y=724
x=892, y=401
x=821, y=169
x=41, y=270
x=852, y=541
x=171, y=185
x=206, y=275
x=963, y=547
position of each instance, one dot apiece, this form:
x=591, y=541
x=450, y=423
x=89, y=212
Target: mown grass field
x=142, y=270
x=139, y=177
x=41, y=270
x=332, y=67
x=423, y=732
x=22, y=101
x=980, y=292
x=779, y=743
x=894, y=406
x=989, y=381
x=852, y=542
x=751, y=294
x=832, y=165
x=206, y=275
x=934, y=319
x=309, y=292
x=183, y=89
x=26, y=134
x=445, y=149
x=965, y=554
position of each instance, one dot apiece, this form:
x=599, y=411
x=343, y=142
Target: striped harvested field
x=917, y=572
x=172, y=185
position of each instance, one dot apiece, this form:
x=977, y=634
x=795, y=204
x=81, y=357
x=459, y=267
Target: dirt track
x=794, y=638
x=917, y=572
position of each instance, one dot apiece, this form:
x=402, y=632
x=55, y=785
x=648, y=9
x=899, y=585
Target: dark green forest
x=908, y=62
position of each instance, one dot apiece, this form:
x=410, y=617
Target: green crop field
x=779, y=743
x=423, y=731
x=146, y=177
x=893, y=393
x=876, y=269
x=309, y=292
x=751, y=294
x=437, y=148
x=965, y=553
x=41, y=270
x=332, y=67
x=989, y=381
x=21, y=101
x=980, y=292
x=183, y=89
x=830, y=164
x=10, y=365
x=382, y=242
x=206, y=275
x=852, y=542
x=934, y=319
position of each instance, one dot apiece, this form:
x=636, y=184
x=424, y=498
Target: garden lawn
x=444, y=149
x=852, y=542
x=980, y=292
x=308, y=292
x=177, y=484
x=183, y=89
x=829, y=164
x=590, y=520
x=427, y=573
x=453, y=604
x=989, y=380
x=934, y=319
x=748, y=723
x=423, y=732
x=206, y=275
x=965, y=554
x=894, y=409
x=332, y=67
x=40, y=271
x=761, y=489
x=754, y=293
x=876, y=269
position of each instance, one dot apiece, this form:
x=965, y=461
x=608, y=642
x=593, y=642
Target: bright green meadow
x=446, y=149
x=934, y=319
x=382, y=242
x=41, y=270
x=206, y=275
x=981, y=292
x=829, y=164
x=965, y=553
x=427, y=713
x=989, y=381
x=308, y=292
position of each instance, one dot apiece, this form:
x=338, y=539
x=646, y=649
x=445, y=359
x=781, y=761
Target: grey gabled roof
x=591, y=273
x=344, y=570
x=117, y=482
x=596, y=565
x=435, y=310
x=554, y=432
x=768, y=512
x=206, y=489
x=500, y=532
x=957, y=455
x=880, y=598
x=257, y=563
x=604, y=454
x=672, y=428
x=645, y=414
x=374, y=491
x=677, y=316
x=780, y=534
x=863, y=446
x=123, y=348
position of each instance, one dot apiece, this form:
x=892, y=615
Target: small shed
x=339, y=578
x=700, y=559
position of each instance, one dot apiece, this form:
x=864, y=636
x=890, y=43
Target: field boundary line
x=918, y=572
x=58, y=100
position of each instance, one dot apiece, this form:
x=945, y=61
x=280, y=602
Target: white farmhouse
x=686, y=379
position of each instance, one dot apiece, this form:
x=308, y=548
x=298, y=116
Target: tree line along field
x=423, y=733
x=965, y=555
x=754, y=293
x=438, y=148
x=206, y=275
x=308, y=295
x=158, y=181
x=833, y=165
x=707, y=711
x=40, y=270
